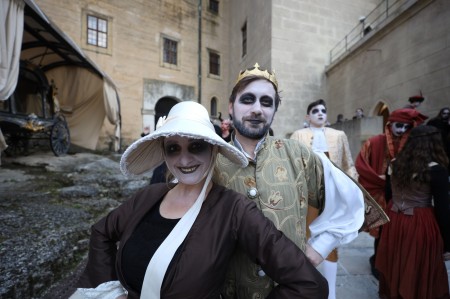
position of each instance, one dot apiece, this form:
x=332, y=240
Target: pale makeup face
x=445, y=114
x=416, y=104
x=187, y=159
x=317, y=117
x=253, y=109
x=398, y=129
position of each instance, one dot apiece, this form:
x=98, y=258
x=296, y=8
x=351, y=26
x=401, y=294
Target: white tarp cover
x=11, y=29
x=85, y=93
x=81, y=102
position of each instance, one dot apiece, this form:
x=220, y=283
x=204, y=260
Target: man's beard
x=251, y=133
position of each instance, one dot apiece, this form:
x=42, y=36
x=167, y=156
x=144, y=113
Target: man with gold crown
x=283, y=178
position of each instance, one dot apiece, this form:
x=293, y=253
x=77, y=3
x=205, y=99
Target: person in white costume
x=334, y=144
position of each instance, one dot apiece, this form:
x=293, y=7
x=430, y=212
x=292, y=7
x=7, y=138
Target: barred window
x=170, y=51
x=214, y=63
x=214, y=6
x=244, y=39
x=97, y=31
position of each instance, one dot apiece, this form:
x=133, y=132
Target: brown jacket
x=227, y=220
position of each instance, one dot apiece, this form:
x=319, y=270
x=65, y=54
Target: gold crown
x=256, y=71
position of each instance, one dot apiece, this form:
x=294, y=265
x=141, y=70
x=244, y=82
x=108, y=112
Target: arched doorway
x=163, y=107
x=381, y=109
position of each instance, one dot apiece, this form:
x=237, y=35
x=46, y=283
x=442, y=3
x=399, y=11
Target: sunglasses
x=316, y=110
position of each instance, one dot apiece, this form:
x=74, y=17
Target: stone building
x=159, y=52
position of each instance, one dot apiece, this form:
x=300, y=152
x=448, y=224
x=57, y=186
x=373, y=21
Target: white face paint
x=253, y=109
x=398, y=129
x=445, y=114
x=317, y=116
x=187, y=159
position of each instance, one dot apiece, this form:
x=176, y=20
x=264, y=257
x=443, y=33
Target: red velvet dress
x=410, y=252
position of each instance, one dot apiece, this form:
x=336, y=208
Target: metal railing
x=366, y=24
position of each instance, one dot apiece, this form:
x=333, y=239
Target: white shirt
x=319, y=143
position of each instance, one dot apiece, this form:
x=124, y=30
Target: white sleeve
x=343, y=214
x=106, y=290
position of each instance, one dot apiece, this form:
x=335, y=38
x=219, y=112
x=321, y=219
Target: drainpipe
x=199, y=51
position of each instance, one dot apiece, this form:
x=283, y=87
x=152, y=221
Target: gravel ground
x=47, y=205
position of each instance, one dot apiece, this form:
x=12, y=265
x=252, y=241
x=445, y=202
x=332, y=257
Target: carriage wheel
x=60, y=138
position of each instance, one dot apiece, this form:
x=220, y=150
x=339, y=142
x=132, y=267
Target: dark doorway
x=163, y=107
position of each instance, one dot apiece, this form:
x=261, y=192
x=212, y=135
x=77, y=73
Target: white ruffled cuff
x=324, y=243
x=106, y=290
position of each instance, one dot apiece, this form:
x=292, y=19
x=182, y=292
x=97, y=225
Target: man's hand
x=313, y=256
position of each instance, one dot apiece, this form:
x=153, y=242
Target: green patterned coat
x=288, y=177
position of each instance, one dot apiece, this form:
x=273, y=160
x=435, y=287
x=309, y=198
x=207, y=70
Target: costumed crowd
x=235, y=212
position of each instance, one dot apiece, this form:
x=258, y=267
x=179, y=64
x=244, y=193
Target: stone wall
x=292, y=37
x=406, y=54
x=303, y=33
x=134, y=54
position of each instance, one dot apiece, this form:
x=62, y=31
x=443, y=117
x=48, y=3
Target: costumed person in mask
x=334, y=144
x=283, y=178
x=376, y=154
x=410, y=255
x=415, y=101
x=175, y=240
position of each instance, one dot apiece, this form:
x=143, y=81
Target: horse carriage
x=32, y=114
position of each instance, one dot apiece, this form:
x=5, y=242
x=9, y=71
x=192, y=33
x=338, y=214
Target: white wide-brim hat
x=187, y=119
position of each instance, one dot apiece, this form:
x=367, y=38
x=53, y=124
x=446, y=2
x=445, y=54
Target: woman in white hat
x=175, y=240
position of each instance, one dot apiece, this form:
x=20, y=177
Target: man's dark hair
x=243, y=83
x=315, y=103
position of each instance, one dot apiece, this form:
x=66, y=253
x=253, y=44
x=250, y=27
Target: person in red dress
x=410, y=255
x=375, y=155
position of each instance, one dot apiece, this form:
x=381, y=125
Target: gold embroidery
x=275, y=197
x=250, y=182
x=279, y=143
x=281, y=174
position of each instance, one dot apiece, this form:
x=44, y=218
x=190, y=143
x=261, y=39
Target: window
x=214, y=6
x=214, y=106
x=97, y=31
x=244, y=39
x=214, y=63
x=170, y=51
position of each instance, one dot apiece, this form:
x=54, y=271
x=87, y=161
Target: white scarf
x=157, y=266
